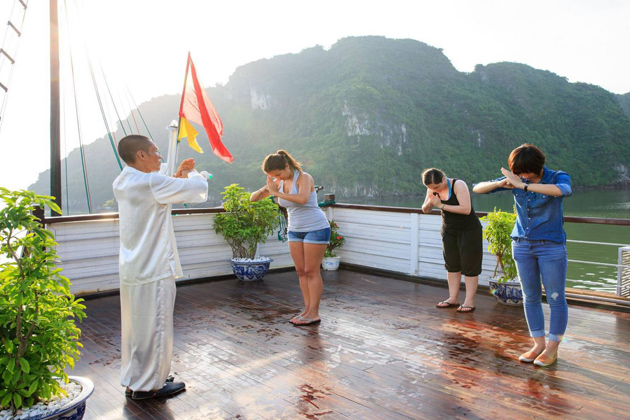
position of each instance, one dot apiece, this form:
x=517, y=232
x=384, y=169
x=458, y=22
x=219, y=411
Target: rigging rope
x=86, y=182
x=126, y=118
x=112, y=99
x=65, y=166
x=134, y=120
x=138, y=110
x=100, y=103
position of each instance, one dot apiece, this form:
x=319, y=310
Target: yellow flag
x=188, y=131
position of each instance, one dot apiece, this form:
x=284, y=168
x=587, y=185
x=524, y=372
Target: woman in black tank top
x=462, y=244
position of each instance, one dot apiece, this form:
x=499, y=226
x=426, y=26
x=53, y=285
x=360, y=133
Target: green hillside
x=368, y=115
x=624, y=101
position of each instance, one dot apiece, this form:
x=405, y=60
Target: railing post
x=623, y=272
x=329, y=198
x=414, y=236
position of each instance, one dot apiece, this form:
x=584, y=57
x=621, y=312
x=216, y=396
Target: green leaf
x=26, y=368
x=33, y=387
x=17, y=400
x=6, y=400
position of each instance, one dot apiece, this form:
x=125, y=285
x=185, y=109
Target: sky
x=142, y=46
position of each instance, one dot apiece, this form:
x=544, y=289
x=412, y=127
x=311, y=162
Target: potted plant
x=503, y=285
x=38, y=335
x=331, y=260
x=244, y=225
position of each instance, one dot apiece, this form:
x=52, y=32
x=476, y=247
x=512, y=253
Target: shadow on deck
x=382, y=351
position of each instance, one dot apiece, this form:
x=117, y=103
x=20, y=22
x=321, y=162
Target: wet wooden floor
x=383, y=351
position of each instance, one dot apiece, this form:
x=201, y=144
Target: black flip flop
x=466, y=309
x=308, y=322
x=448, y=305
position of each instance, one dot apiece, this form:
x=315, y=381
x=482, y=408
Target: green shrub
x=497, y=232
x=245, y=223
x=37, y=331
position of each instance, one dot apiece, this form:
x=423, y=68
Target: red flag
x=196, y=107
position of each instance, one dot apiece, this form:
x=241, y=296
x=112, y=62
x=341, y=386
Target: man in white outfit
x=149, y=263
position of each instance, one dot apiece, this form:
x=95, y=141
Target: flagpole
x=175, y=127
x=172, y=148
x=181, y=102
x=55, y=147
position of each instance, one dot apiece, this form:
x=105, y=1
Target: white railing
x=88, y=251
x=399, y=240
x=405, y=242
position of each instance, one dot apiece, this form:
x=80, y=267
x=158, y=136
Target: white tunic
x=148, y=251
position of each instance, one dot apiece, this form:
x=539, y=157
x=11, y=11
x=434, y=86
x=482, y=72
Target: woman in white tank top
x=309, y=230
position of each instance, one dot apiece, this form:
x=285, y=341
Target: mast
x=55, y=144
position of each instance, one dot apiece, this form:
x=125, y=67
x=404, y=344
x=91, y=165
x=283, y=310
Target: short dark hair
x=128, y=147
x=526, y=159
x=433, y=176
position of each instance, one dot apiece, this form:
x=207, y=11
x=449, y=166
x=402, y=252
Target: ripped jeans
x=546, y=260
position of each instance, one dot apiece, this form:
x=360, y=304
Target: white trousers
x=147, y=334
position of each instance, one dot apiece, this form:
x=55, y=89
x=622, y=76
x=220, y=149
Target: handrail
x=568, y=219
x=575, y=241
x=114, y=215
x=412, y=210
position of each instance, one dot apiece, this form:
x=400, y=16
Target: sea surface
x=604, y=240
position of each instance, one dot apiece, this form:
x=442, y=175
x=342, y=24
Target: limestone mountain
x=366, y=116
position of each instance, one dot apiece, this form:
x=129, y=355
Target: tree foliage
x=38, y=334
x=245, y=223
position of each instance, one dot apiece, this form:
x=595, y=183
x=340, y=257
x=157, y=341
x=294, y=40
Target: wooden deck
x=383, y=351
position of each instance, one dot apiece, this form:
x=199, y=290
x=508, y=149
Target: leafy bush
x=245, y=223
x=336, y=240
x=497, y=232
x=37, y=330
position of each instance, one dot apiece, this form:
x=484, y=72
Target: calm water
x=588, y=203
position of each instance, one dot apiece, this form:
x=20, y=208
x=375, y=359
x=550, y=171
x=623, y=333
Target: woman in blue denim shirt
x=539, y=244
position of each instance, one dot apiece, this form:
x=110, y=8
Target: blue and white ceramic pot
x=75, y=409
x=250, y=270
x=508, y=293
x=330, y=263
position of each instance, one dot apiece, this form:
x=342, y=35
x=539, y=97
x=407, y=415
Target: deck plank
x=383, y=351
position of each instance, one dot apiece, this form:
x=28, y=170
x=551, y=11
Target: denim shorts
x=320, y=237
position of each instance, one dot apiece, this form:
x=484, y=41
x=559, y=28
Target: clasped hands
x=187, y=166
x=271, y=186
x=435, y=201
x=511, y=180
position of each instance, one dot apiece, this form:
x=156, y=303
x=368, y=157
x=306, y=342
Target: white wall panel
x=374, y=238
x=379, y=239
x=88, y=251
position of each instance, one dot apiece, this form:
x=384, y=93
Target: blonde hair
x=279, y=160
